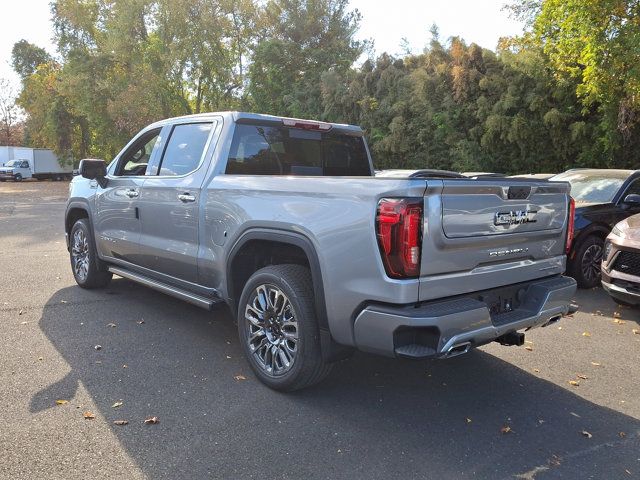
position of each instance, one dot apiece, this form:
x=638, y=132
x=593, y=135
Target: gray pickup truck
x=283, y=220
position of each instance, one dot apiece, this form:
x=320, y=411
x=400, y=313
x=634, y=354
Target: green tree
x=301, y=40
x=596, y=45
x=26, y=57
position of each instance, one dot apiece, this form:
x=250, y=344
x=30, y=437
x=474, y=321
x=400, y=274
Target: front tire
x=585, y=263
x=278, y=328
x=85, y=265
x=17, y=177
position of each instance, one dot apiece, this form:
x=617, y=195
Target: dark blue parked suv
x=603, y=197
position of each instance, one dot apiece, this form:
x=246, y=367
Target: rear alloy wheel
x=273, y=330
x=278, y=328
x=585, y=265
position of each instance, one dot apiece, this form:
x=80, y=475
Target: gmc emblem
x=515, y=217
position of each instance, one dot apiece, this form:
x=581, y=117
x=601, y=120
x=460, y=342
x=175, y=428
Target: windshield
x=275, y=150
x=592, y=187
x=10, y=163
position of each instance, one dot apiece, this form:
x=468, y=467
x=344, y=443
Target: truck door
x=117, y=218
x=169, y=202
x=24, y=168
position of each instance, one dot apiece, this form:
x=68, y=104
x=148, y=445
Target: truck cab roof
x=248, y=117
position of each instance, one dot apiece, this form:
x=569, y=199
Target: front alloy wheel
x=88, y=271
x=80, y=255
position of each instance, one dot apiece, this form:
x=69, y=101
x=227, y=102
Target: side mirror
x=94, y=169
x=632, y=199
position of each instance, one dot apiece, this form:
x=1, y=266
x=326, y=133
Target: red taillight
x=571, y=224
x=399, y=231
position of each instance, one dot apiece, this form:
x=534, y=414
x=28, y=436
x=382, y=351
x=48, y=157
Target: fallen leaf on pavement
x=586, y=434
x=617, y=321
x=152, y=420
x=627, y=471
x=239, y=377
x=120, y=422
x=586, y=334
x=635, y=331
x=528, y=347
x=506, y=429
x=140, y=322
x=112, y=325
x=574, y=383
x=20, y=312
x=595, y=364
x=616, y=314
x=62, y=402
x=536, y=370
x=63, y=301
x=583, y=377
x=116, y=405
x=88, y=415
x=98, y=347
x=468, y=420
x=622, y=434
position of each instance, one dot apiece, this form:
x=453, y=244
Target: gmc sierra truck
x=284, y=221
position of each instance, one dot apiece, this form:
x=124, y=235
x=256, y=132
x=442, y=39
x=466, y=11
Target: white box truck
x=20, y=163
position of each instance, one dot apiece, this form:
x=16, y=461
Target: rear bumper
x=448, y=327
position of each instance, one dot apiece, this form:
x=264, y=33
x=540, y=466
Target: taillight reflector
x=399, y=232
x=571, y=224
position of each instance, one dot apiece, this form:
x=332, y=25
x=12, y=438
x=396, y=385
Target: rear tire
x=585, y=262
x=87, y=269
x=278, y=328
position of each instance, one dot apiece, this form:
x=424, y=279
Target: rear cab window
x=282, y=150
x=185, y=148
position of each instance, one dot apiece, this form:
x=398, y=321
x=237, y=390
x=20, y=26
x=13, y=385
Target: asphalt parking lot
x=496, y=413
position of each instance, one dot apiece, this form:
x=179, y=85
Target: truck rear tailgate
x=480, y=234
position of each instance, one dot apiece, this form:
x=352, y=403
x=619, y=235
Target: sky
x=386, y=22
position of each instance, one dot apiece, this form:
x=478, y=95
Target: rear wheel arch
x=273, y=247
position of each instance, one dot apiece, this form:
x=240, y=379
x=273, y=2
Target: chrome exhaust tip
x=458, y=349
x=552, y=320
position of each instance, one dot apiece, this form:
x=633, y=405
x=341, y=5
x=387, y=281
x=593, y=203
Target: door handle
x=132, y=193
x=186, y=197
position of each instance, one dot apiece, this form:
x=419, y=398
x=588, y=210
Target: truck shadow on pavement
x=372, y=418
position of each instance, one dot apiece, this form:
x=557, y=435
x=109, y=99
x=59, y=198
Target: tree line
x=565, y=93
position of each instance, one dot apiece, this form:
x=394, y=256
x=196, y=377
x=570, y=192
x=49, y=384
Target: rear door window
x=185, y=149
x=275, y=150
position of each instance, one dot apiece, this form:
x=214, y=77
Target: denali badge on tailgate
x=515, y=217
